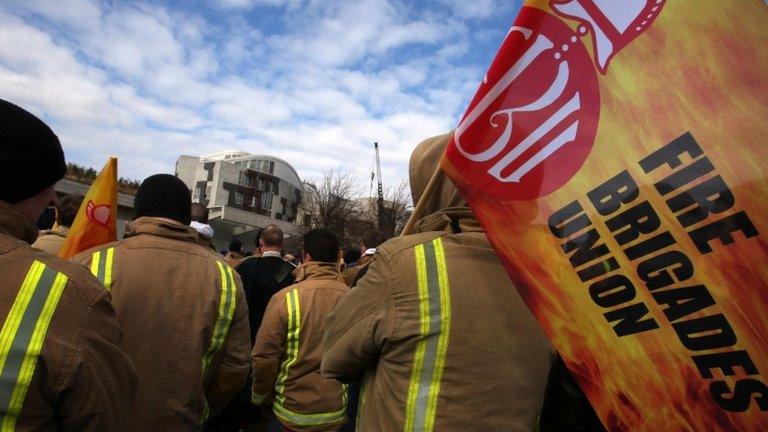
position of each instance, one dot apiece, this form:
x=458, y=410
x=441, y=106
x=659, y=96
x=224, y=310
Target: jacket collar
x=162, y=227
x=454, y=219
x=318, y=270
x=61, y=231
x=13, y=223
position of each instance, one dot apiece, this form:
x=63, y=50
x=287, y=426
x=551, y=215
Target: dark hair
x=322, y=245
x=352, y=255
x=199, y=213
x=272, y=235
x=67, y=209
x=235, y=246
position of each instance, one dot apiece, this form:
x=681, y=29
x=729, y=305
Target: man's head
x=271, y=238
x=67, y=209
x=235, y=246
x=163, y=195
x=31, y=161
x=431, y=188
x=351, y=256
x=199, y=213
x=321, y=245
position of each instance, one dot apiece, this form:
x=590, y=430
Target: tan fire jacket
x=443, y=338
x=62, y=368
x=185, y=320
x=286, y=356
x=349, y=274
x=51, y=240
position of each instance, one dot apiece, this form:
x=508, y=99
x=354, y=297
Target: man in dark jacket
x=264, y=276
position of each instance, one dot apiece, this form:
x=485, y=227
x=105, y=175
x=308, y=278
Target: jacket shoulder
x=79, y=280
x=84, y=256
x=395, y=247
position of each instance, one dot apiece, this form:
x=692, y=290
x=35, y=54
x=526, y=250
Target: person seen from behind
x=199, y=216
x=440, y=334
x=353, y=273
x=265, y=275
x=62, y=366
x=52, y=240
x=286, y=355
x=182, y=309
x=234, y=253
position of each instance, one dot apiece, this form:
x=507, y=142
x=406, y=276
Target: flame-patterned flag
x=96, y=220
x=616, y=154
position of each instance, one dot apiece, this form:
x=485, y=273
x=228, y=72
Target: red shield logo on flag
x=536, y=112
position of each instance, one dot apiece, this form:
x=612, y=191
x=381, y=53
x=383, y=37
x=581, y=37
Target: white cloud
x=148, y=83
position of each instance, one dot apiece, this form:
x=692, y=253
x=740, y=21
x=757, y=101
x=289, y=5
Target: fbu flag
x=615, y=154
x=96, y=220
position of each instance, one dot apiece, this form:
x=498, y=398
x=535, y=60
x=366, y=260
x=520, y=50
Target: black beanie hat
x=163, y=195
x=31, y=158
x=235, y=246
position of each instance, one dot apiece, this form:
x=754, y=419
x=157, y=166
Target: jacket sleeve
x=360, y=325
x=99, y=394
x=231, y=372
x=265, y=358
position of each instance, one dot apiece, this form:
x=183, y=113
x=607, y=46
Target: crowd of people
x=159, y=331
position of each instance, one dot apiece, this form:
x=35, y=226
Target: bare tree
x=328, y=202
x=397, y=208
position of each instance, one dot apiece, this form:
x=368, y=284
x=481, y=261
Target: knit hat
x=31, y=158
x=235, y=246
x=203, y=230
x=163, y=195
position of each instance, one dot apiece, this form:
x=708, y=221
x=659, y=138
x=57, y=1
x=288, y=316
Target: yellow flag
x=96, y=221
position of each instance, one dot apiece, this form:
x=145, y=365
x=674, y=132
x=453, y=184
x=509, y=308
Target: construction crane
x=380, y=200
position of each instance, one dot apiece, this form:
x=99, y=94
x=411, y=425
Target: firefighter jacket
x=442, y=337
x=51, y=240
x=350, y=274
x=286, y=357
x=185, y=320
x=61, y=367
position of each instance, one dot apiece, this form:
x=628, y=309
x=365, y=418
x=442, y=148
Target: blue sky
x=313, y=82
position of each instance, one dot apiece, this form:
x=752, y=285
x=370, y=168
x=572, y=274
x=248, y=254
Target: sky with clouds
x=314, y=82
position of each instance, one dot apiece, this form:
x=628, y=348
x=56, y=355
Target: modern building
x=243, y=193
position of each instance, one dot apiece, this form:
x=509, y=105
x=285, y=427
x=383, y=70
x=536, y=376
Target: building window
x=266, y=201
x=239, y=198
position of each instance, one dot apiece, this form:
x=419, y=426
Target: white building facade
x=243, y=193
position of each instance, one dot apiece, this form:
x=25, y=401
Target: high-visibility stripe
x=102, y=263
x=227, y=303
x=292, y=343
x=292, y=354
x=110, y=258
x=22, y=337
x=309, y=419
x=434, y=331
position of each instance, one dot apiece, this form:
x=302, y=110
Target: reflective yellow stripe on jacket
x=227, y=303
x=22, y=336
x=292, y=354
x=101, y=266
x=435, y=328
x=291, y=343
